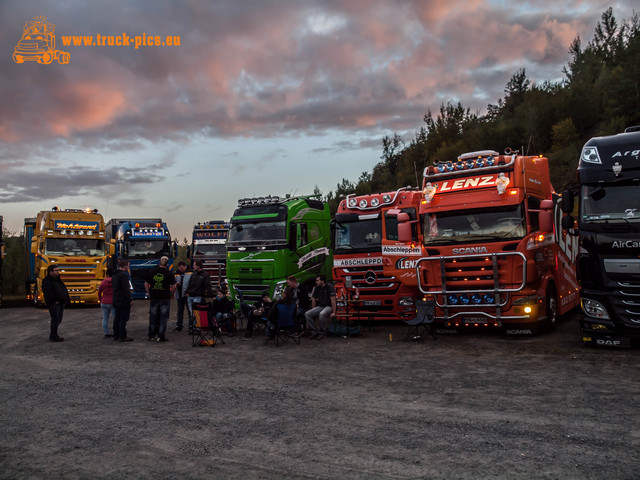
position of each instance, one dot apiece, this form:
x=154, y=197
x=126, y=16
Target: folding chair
x=424, y=321
x=206, y=331
x=240, y=317
x=287, y=327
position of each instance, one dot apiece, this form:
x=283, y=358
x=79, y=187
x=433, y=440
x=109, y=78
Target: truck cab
x=141, y=241
x=360, y=226
x=209, y=244
x=608, y=228
x=75, y=240
x=272, y=238
x=492, y=255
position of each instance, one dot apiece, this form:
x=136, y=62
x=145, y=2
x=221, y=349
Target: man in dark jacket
x=301, y=296
x=199, y=286
x=160, y=283
x=121, y=301
x=56, y=297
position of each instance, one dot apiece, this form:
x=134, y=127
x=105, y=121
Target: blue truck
x=141, y=241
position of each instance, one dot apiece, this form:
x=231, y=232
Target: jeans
x=158, y=317
x=190, y=302
x=227, y=319
x=55, y=311
x=323, y=315
x=107, y=309
x=120, y=319
x=181, y=304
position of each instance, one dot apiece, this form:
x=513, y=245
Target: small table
x=355, y=304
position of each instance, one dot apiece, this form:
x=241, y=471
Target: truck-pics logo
x=38, y=44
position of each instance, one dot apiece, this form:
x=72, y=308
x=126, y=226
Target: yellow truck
x=74, y=240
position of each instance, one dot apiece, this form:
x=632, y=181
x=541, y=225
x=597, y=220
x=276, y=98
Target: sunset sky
x=261, y=97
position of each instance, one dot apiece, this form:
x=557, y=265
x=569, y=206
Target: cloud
x=271, y=69
x=20, y=185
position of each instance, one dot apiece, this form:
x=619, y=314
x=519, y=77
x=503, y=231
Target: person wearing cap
x=259, y=313
x=159, y=284
x=56, y=297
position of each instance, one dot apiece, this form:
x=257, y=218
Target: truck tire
x=46, y=58
x=551, y=308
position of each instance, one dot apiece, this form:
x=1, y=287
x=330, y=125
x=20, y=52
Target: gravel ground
x=465, y=407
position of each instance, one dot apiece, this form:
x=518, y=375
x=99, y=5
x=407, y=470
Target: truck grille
x=251, y=293
x=626, y=302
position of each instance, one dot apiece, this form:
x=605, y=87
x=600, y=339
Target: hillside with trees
x=599, y=95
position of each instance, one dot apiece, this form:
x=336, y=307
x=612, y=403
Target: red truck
x=493, y=253
x=359, y=226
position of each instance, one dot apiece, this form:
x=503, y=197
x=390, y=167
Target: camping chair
x=240, y=317
x=206, y=331
x=424, y=321
x=287, y=327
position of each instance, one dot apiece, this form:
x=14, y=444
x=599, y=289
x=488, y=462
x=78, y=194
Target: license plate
x=474, y=320
x=371, y=303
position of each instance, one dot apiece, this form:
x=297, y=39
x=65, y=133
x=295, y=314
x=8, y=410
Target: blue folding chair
x=287, y=328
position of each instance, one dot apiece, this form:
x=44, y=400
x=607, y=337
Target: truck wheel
x=551, y=308
x=63, y=58
x=18, y=58
x=46, y=58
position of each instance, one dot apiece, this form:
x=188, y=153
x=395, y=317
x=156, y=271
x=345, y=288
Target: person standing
x=121, y=301
x=323, y=307
x=159, y=284
x=199, y=286
x=56, y=297
x=182, y=283
x=105, y=295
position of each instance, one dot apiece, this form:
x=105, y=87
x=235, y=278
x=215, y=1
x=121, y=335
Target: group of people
x=315, y=314
x=189, y=288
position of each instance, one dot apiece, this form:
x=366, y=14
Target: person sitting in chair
x=222, y=309
x=259, y=313
x=272, y=318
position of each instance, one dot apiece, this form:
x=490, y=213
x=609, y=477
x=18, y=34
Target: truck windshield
x=255, y=233
x=209, y=249
x=460, y=226
x=147, y=248
x=74, y=247
x=361, y=234
x=610, y=203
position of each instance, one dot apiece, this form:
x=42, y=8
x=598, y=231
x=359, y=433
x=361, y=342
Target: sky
x=259, y=98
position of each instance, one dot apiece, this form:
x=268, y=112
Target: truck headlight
x=277, y=292
x=594, y=309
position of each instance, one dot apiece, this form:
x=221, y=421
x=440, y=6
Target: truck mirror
x=404, y=228
x=188, y=252
x=567, y=201
x=112, y=248
x=293, y=236
x=34, y=247
x=568, y=222
x=175, y=249
x=546, y=216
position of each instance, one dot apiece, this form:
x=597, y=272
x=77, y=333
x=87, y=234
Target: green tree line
x=599, y=95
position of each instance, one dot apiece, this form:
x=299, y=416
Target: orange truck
x=38, y=44
x=359, y=226
x=491, y=250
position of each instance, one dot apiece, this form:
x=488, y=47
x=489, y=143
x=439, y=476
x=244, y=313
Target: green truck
x=272, y=238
